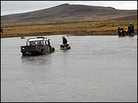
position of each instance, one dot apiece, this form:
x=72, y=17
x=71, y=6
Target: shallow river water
x=95, y=69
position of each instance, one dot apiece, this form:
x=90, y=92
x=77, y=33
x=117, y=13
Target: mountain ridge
x=66, y=12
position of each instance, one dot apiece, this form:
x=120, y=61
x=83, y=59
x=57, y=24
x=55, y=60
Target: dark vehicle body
x=35, y=46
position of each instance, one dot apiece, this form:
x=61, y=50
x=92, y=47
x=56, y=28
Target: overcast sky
x=14, y=7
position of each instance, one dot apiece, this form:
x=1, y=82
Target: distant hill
x=69, y=12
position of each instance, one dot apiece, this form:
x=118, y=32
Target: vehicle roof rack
x=40, y=37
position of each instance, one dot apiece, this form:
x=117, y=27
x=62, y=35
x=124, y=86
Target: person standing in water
x=119, y=33
x=49, y=44
x=64, y=40
x=129, y=29
x=132, y=28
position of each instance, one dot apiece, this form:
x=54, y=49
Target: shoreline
x=65, y=34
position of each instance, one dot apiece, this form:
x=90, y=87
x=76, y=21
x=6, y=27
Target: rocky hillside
x=69, y=12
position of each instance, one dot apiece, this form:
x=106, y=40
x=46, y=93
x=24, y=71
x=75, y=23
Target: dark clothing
x=1, y=30
x=119, y=28
x=49, y=44
x=129, y=29
x=132, y=28
x=64, y=40
x=48, y=41
x=119, y=33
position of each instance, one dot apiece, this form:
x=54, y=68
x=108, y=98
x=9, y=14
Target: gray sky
x=14, y=7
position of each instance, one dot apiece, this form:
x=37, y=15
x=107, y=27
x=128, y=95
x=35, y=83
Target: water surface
x=95, y=69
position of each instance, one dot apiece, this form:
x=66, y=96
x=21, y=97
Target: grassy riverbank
x=76, y=27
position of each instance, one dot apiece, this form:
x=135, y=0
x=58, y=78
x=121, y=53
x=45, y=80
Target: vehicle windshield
x=38, y=42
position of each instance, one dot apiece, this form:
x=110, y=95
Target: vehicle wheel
x=53, y=49
x=42, y=52
x=119, y=34
x=123, y=34
x=23, y=54
x=127, y=33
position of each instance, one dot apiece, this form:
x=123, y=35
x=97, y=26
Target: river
x=95, y=69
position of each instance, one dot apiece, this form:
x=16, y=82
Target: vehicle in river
x=38, y=45
x=64, y=47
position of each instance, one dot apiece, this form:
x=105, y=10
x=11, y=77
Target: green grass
x=66, y=27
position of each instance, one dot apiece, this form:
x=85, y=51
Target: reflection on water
x=34, y=67
x=38, y=60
